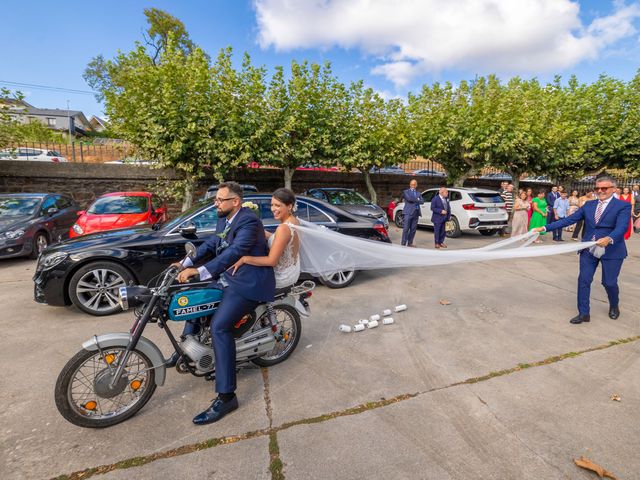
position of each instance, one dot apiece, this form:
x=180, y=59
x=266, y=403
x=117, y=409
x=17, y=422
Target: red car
x=120, y=210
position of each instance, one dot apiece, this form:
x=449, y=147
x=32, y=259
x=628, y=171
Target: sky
x=394, y=46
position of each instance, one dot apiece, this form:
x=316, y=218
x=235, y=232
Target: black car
x=88, y=270
x=213, y=189
x=350, y=201
x=29, y=222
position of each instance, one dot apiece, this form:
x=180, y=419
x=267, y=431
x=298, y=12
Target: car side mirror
x=191, y=250
x=159, y=211
x=80, y=212
x=188, y=230
x=52, y=211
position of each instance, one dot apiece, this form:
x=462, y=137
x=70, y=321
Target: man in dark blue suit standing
x=411, y=212
x=552, y=196
x=605, y=220
x=239, y=233
x=440, y=214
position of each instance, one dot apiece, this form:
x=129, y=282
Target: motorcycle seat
x=283, y=292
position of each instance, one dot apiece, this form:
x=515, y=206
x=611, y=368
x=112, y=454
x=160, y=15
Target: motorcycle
x=115, y=375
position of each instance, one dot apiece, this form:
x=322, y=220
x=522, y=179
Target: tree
x=376, y=133
x=299, y=117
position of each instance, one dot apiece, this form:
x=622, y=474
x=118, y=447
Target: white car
x=471, y=209
x=33, y=154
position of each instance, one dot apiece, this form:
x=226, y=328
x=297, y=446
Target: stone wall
x=85, y=182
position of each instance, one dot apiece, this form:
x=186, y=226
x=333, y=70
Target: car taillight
x=55, y=159
x=471, y=206
x=378, y=227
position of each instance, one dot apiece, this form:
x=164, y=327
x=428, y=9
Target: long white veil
x=324, y=252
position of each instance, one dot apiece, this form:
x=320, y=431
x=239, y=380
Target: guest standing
x=530, y=200
x=391, y=207
x=579, y=226
x=441, y=213
x=560, y=209
x=520, y=222
x=539, y=215
x=551, y=198
x=627, y=196
x=574, y=204
x=411, y=211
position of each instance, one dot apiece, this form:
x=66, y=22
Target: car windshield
x=488, y=197
x=14, y=207
x=179, y=220
x=119, y=205
x=346, y=197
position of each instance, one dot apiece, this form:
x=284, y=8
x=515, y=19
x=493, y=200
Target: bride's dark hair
x=285, y=196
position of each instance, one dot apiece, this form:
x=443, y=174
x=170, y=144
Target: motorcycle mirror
x=191, y=249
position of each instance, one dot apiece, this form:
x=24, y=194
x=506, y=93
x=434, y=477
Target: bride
x=284, y=243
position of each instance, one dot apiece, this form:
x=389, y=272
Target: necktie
x=599, y=211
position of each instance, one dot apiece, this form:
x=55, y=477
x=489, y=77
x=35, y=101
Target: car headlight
x=11, y=234
x=78, y=229
x=49, y=261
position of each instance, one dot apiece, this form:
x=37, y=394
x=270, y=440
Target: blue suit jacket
x=245, y=237
x=613, y=223
x=437, y=205
x=551, y=198
x=412, y=202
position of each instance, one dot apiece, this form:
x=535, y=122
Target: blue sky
x=394, y=46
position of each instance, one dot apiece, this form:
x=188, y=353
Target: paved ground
x=496, y=385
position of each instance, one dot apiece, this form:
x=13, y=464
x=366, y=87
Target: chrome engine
x=251, y=345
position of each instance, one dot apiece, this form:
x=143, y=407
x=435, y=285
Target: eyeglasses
x=220, y=200
x=602, y=189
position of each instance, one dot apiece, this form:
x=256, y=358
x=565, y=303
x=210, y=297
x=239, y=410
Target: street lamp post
x=68, y=123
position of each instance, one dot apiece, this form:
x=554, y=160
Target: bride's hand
x=236, y=266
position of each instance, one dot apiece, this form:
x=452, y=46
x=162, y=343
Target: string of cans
x=373, y=321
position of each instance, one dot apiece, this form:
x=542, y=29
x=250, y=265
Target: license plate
x=492, y=210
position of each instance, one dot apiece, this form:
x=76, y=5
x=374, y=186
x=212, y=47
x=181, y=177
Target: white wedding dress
x=287, y=270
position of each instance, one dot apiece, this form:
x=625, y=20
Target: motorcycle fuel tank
x=191, y=304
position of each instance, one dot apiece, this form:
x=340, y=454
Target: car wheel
x=399, y=219
x=40, y=242
x=341, y=272
x=452, y=228
x=488, y=233
x=94, y=287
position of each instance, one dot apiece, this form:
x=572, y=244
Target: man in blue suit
x=411, y=212
x=440, y=214
x=552, y=196
x=239, y=233
x=605, y=220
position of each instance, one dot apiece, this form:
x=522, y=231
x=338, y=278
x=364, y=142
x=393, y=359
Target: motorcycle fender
x=146, y=346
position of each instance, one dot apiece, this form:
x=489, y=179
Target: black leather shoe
x=614, y=313
x=216, y=411
x=580, y=319
x=173, y=360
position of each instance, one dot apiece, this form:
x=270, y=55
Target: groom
x=239, y=233
x=605, y=220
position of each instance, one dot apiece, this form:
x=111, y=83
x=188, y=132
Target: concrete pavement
x=497, y=384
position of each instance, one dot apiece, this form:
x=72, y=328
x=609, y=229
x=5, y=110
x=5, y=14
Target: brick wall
x=85, y=182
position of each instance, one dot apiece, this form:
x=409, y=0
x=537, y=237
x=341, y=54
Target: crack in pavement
x=272, y=431
x=275, y=463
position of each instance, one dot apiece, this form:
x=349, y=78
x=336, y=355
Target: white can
x=400, y=308
x=344, y=328
x=364, y=321
x=372, y=324
x=386, y=313
x=358, y=328
x=373, y=318
x=387, y=321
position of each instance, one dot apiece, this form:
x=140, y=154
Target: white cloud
x=414, y=37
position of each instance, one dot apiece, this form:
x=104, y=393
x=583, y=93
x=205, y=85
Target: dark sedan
x=88, y=270
x=350, y=201
x=29, y=222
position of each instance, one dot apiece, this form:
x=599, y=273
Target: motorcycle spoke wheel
x=82, y=393
x=287, y=336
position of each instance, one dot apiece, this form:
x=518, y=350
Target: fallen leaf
x=616, y=398
x=584, y=462
x=444, y=302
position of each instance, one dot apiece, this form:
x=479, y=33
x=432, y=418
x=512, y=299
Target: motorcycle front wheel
x=287, y=335
x=84, y=395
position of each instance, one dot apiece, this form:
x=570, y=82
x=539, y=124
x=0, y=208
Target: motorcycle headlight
x=49, y=261
x=131, y=297
x=78, y=229
x=11, y=234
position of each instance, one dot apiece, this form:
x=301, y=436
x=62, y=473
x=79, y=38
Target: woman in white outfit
x=284, y=244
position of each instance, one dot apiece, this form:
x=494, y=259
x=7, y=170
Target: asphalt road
x=495, y=385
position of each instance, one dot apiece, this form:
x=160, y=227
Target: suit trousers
x=439, y=233
x=610, y=271
x=557, y=233
x=409, y=227
x=231, y=309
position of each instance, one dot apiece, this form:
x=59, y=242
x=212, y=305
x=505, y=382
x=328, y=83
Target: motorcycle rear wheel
x=288, y=336
x=77, y=392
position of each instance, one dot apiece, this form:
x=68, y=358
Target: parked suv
x=471, y=209
x=34, y=154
